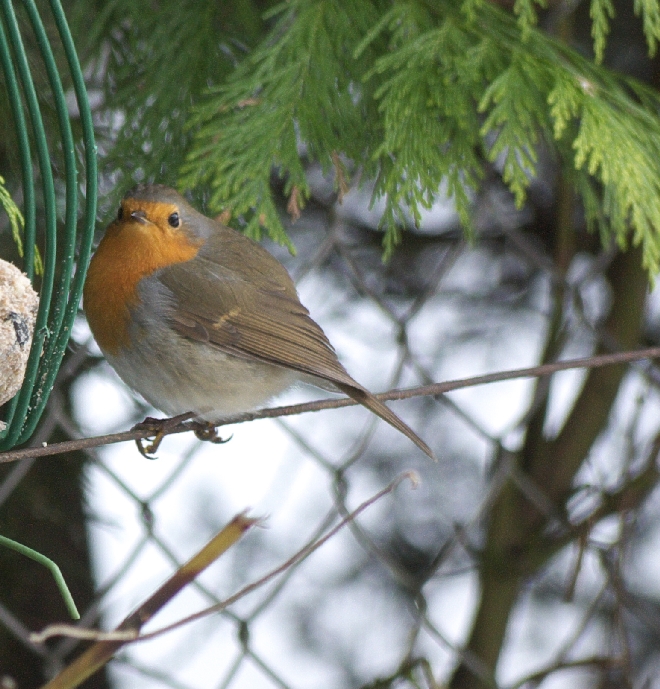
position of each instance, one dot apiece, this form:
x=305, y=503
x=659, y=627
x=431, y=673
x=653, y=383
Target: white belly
x=198, y=378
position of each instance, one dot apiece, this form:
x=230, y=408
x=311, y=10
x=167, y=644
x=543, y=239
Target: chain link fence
x=389, y=601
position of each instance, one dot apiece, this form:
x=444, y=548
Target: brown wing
x=253, y=313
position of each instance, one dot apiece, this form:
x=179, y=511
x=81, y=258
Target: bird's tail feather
x=366, y=399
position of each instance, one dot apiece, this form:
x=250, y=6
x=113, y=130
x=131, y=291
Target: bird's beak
x=140, y=216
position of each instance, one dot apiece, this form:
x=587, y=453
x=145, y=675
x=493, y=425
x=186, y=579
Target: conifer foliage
x=407, y=93
x=413, y=93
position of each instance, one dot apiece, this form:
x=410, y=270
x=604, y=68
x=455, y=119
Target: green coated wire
x=29, y=210
x=58, y=301
x=56, y=351
x=67, y=245
x=85, y=248
x=49, y=564
x=41, y=327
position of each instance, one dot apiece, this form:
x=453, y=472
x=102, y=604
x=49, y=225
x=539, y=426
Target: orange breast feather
x=127, y=253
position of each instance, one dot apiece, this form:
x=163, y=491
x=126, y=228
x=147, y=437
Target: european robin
x=196, y=317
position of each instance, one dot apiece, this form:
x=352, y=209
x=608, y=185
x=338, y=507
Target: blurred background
x=527, y=556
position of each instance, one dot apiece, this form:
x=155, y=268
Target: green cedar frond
x=419, y=96
x=617, y=142
x=14, y=214
x=17, y=223
x=154, y=66
x=564, y=100
x=517, y=100
x=388, y=19
x=471, y=8
x=302, y=86
x=628, y=166
x=526, y=13
x=650, y=12
x=601, y=11
x=439, y=137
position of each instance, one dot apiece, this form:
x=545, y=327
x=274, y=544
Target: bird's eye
x=120, y=213
x=174, y=220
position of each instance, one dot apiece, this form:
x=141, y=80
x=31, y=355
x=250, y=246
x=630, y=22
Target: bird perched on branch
x=196, y=317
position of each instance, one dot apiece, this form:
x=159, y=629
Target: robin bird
x=197, y=317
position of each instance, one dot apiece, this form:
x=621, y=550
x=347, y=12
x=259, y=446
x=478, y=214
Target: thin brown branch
x=340, y=172
x=594, y=661
x=97, y=655
x=295, y=203
x=301, y=555
x=128, y=631
x=291, y=410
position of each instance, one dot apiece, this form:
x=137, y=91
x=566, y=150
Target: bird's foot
x=206, y=431
x=145, y=448
x=160, y=428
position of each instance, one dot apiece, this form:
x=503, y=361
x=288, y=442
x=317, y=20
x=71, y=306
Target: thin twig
x=303, y=553
x=594, y=661
x=291, y=410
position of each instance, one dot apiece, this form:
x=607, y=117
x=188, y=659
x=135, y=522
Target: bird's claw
x=160, y=428
x=209, y=433
x=148, y=449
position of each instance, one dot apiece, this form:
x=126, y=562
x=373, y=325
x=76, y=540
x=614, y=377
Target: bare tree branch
x=291, y=410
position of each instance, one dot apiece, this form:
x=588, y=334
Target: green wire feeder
x=59, y=294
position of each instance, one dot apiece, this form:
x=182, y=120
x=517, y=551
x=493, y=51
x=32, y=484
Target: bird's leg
x=160, y=428
x=207, y=431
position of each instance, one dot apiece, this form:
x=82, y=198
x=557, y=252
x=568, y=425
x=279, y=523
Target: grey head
x=192, y=220
x=155, y=193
